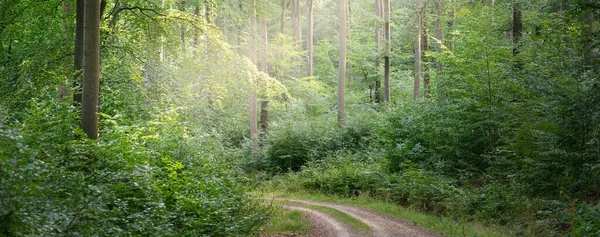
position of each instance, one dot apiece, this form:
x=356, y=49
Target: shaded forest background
x=493, y=113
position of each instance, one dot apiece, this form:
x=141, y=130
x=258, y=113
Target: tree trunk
x=309, y=39
x=517, y=27
x=417, y=83
x=451, y=15
x=283, y=8
x=388, y=51
x=91, y=69
x=378, y=31
x=439, y=31
x=252, y=56
x=264, y=67
x=589, y=54
x=342, y=64
x=296, y=22
x=349, y=70
x=78, y=57
x=424, y=57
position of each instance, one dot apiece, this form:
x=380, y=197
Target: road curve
x=382, y=225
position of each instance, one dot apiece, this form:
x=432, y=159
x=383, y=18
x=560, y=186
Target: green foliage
x=122, y=185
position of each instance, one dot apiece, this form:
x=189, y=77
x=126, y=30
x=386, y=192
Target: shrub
x=121, y=185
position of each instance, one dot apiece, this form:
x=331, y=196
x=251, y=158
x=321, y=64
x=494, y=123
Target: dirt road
x=381, y=225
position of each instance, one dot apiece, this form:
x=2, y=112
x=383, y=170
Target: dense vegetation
x=494, y=113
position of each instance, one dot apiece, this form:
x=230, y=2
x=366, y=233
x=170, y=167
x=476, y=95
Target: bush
x=121, y=185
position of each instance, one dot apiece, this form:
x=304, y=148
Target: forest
x=179, y=117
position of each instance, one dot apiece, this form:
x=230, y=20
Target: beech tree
x=517, y=26
x=341, y=91
x=264, y=68
x=91, y=69
x=387, y=32
x=252, y=55
x=418, y=55
x=309, y=38
x=378, y=33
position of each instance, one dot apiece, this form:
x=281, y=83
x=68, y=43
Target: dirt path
x=381, y=225
x=323, y=224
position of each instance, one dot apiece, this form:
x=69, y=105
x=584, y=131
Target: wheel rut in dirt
x=381, y=225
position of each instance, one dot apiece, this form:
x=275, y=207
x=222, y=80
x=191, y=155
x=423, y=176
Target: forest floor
x=323, y=223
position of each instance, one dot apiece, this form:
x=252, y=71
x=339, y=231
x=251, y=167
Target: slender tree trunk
x=296, y=21
x=424, y=57
x=264, y=67
x=349, y=70
x=517, y=27
x=297, y=33
x=78, y=58
x=309, y=40
x=451, y=15
x=388, y=51
x=589, y=54
x=342, y=64
x=163, y=54
x=439, y=31
x=63, y=93
x=91, y=69
x=283, y=8
x=252, y=56
x=418, y=53
x=378, y=32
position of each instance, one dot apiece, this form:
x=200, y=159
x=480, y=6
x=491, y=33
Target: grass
x=286, y=221
x=336, y=214
x=445, y=226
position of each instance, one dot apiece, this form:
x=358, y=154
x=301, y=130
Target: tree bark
x=91, y=69
x=517, y=27
x=309, y=40
x=342, y=64
x=388, y=51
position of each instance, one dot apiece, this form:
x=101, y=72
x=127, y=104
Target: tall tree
x=296, y=26
x=387, y=32
x=418, y=54
x=263, y=67
x=451, y=16
x=517, y=26
x=349, y=37
x=309, y=37
x=378, y=33
x=424, y=56
x=284, y=4
x=91, y=69
x=439, y=31
x=342, y=8
x=589, y=53
x=252, y=56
